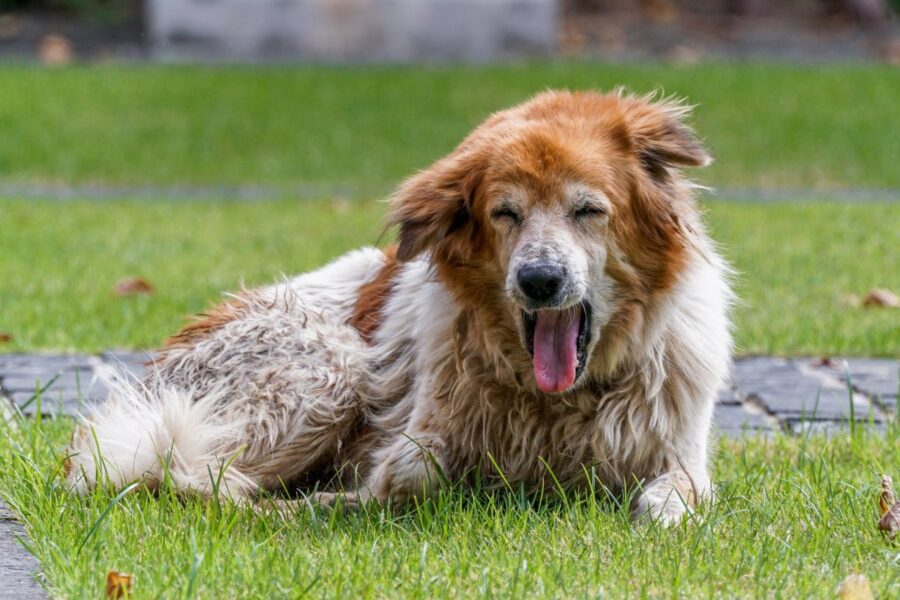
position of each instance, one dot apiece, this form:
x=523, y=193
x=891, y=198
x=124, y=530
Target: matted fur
x=377, y=371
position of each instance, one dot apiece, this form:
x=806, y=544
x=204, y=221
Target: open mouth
x=557, y=341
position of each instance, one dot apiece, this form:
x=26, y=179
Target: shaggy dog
x=553, y=308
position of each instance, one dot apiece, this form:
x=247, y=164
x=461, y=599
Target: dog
x=552, y=314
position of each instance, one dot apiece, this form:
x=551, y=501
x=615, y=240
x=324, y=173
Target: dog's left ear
x=432, y=205
x=660, y=136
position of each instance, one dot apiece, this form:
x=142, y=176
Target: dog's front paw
x=668, y=499
x=665, y=511
x=409, y=469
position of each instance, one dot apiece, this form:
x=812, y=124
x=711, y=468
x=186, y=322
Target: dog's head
x=562, y=219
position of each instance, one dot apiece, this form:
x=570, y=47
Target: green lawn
x=362, y=129
x=338, y=133
x=796, y=264
x=795, y=516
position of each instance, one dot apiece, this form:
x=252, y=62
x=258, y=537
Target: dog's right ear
x=660, y=136
x=433, y=205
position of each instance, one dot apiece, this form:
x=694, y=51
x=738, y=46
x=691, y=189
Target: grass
x=795, y=517
x=343, y=133
x=797, y=262
x=362, y=129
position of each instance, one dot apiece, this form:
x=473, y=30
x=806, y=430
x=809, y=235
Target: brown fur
x=206, y=323
x=625, y=146
x=367, y=313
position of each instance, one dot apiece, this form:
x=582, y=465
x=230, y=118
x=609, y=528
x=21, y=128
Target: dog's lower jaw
x=670, y=498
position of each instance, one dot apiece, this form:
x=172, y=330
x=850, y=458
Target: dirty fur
x=383, y=375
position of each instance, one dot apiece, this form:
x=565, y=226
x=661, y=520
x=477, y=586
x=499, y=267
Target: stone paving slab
x=765, y=394
x=67, y=383
x=878, y=379
x=729, y=397
x=734, y=420
x=802, y=390
x=18, y=567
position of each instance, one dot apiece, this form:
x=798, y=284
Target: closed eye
x=589, y=210
x=505, y=212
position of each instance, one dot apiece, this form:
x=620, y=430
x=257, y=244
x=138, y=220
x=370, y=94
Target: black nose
x=541, y=281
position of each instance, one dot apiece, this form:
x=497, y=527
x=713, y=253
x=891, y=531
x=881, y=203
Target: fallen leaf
x=889, y=508
x=854, y=587
x=890, y=522
x=118, y=585
x=887, y=498
x=5, y=337
x=881, y=298
x=826, y=362
x=132, y=286
x=55, y=50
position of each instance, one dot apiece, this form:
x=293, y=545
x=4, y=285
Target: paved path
x=765, y=395
x=17, y=567
x=261, y=192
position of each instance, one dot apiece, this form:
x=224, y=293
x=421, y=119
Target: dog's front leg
x=670, y=496
x=413, y=466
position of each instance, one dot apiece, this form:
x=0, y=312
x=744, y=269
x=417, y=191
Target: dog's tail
x=151, y=433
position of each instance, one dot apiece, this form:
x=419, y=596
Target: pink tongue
x=556, y=348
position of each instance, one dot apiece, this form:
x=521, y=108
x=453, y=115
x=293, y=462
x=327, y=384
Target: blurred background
x=685, y=31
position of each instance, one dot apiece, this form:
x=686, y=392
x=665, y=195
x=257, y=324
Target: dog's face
x=559, y=218
x=552, y=251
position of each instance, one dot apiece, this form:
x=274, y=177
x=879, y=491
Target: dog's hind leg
x=152, y=433
x=254, y=403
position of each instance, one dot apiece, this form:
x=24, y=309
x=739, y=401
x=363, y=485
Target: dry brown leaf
x=890, y=521
x=55, y=50
x=5, y=337
x=825, y=362
x=889, y=508
x=132, y=286
x=118, y=585
x=887, y=498
x=881, y=298
x=854, y=587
